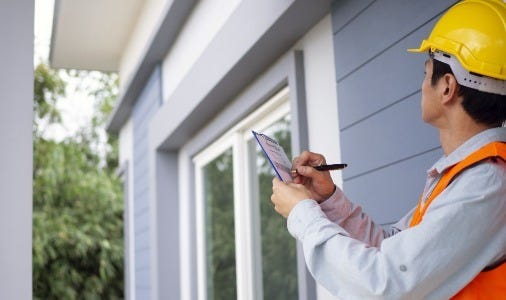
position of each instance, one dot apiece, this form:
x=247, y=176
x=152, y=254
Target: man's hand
x=286, y=195
x=319, y=183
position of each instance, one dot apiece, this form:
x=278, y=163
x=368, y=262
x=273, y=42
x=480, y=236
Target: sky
x=42, y=29
x=77, y=107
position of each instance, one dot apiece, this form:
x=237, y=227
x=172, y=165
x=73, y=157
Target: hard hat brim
x=424, y=47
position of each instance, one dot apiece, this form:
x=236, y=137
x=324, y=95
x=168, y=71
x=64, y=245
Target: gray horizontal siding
x=345, y=11
x=142, y=239
x=142, y=112
x=142, y=284
x=384, y=140
x=378, y=27
x=389, y=193
x=388, y=79
x=143, y=261
x=392, y=135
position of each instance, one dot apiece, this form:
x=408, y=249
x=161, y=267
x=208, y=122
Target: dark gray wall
x=164, y=214
x=384, y=140
x=142, y=112
x=16, y=115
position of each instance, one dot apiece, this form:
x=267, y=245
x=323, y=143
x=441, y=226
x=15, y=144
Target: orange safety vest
x=490, y=284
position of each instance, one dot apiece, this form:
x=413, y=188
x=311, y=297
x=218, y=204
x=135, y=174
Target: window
x=244, y=249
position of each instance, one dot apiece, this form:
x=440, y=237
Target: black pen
x=331, y=167
x=327, y=167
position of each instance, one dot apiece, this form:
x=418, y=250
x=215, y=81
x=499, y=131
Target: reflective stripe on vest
x=489, y=284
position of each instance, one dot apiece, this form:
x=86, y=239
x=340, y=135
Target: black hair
x=485, y=108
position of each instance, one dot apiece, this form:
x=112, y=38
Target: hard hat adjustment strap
x=471, y=80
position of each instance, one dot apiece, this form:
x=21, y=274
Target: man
x=453, y=244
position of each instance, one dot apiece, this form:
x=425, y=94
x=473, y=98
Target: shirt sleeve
x=433, y=260
x=350, y=216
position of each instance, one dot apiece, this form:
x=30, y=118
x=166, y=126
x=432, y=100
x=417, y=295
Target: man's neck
x=453, y=137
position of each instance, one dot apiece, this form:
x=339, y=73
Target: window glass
x=278, y=248
x=219, y=227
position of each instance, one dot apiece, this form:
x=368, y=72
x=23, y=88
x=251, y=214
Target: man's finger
x=310, y=172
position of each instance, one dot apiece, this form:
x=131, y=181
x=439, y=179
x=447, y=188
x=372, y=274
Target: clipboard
x=276, y=156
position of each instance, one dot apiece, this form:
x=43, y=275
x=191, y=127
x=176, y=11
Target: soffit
x=91, y=34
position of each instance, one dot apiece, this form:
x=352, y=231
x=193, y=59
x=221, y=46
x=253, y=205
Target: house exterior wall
x=16, y=125
x=354, y=101
x=383, y=138
x=146, y=105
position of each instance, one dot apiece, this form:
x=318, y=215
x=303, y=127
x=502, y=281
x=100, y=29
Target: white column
x=16, y=111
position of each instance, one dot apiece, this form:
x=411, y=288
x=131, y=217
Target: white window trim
x=245, y=219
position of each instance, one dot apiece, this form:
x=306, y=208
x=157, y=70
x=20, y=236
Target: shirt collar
x=471, y=145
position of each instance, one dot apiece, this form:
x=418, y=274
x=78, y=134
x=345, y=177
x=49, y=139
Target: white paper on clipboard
x=276, y=156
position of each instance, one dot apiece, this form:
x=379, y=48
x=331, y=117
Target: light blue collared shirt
x=463, y=231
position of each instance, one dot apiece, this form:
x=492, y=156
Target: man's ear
x=449, y=87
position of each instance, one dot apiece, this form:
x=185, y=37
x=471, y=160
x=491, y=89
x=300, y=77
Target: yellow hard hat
x=474, y=32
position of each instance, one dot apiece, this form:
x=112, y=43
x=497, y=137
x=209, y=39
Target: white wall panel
x=321, y=94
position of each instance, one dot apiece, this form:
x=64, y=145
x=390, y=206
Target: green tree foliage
x=77, y=202
x=48, y=87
